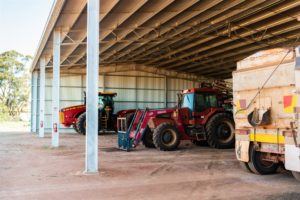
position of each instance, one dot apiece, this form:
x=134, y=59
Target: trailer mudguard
x=292, y=157
x=242, y=150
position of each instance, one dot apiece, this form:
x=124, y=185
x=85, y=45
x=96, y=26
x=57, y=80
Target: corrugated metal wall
x=134, y=89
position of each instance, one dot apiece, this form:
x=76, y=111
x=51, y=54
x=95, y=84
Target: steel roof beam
x=243, y=33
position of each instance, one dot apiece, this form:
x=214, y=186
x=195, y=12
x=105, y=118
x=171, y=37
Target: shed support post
x=42, y=97
x=91, y=153
x=166, y=91
x=34, y=102
x=55, y=88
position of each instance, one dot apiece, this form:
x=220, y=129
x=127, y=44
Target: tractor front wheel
x=166, y=137
x=81, y=123
x=148, y=138
x=220, y=131
x=258, y=165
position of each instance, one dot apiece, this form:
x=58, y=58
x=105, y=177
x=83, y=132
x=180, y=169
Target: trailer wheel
x=259, y=166
x=166, y=137
x=81, y=123
x=296, y=175
x=245, y=166
x=148, y=138
x=220, y=131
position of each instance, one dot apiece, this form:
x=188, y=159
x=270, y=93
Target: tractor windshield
x=188, y=101
x=104, y=101
x=198, y=102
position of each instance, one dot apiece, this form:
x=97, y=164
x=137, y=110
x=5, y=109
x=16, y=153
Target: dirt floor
x=30, y=169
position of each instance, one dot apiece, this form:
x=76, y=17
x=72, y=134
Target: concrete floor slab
x=31, y=169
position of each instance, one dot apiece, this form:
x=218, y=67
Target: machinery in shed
x=76, y=115
x=202, y=115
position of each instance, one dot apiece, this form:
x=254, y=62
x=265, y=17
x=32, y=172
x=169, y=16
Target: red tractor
x=203, y=115
x=75, y=115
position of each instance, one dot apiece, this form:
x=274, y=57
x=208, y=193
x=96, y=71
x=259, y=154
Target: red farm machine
x=203, y=115
x=76, y=116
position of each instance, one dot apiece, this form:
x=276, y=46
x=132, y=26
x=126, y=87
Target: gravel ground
x=31, y=169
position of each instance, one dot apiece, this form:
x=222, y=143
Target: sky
x=22, y=24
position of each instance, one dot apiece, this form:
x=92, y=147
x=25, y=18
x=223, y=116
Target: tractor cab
x=105, y=100
x=200, y=101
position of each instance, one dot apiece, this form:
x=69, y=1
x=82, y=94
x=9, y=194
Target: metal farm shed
x=149, y=50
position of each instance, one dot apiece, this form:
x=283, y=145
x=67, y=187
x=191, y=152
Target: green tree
x=14, y=82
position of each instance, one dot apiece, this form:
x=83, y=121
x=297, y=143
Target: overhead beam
x=157, y=17
x=119, y=18
x=211, y=18
x=241, y=34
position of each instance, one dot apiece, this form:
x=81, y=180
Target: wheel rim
x=264, y=163
x=168, y=137
x=225, y=132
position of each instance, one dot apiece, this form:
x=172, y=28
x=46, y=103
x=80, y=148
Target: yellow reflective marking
x=267, y=138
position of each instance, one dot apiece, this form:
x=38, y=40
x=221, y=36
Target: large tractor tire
x=81, y=123
x=166, y=137
x=220, y=131
x=296, y=175
x=259, y=166
x=75, y=128
x=148, y=138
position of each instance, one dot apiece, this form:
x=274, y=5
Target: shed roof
x=204, y=37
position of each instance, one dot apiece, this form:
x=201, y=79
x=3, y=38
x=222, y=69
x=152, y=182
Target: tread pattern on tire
x=212, y=140
x=255, y=166
x=146, y=141
x=157, y=137
x=80, y=123
x=245, y=167
x=75, y=128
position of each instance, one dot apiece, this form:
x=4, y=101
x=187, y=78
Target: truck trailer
x=266, y=97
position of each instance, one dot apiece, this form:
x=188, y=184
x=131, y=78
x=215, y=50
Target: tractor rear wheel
x=220, y=131
x=166, y=137
x=81, y=123
x=148, y=138
x=260, y=166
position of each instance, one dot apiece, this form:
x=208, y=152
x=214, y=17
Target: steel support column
x=42, y=97
x=91, y=154
x=55, y=88
x=166, y=91
x=34, y=101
